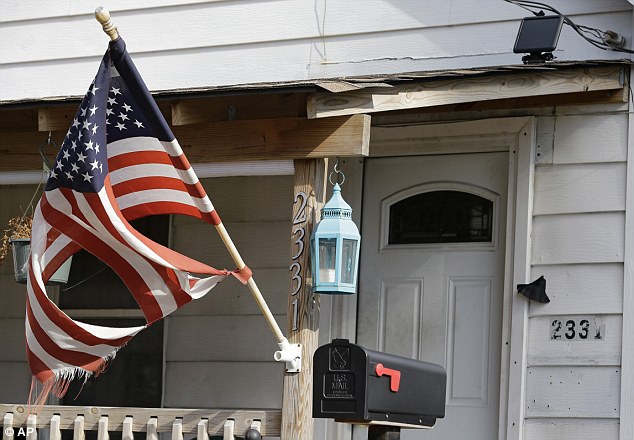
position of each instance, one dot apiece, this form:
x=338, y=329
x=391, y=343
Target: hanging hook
x=46, y=162
x=339, y=173
x=336, y=167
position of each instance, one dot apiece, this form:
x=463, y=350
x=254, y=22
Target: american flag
x=119, y=161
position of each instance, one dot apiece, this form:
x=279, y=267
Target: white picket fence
x=181, y=423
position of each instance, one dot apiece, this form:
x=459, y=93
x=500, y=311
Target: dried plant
x=18, y=227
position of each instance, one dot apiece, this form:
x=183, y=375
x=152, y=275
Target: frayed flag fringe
x=59, y=383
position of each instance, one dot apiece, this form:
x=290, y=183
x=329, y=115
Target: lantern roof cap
x=336, y=207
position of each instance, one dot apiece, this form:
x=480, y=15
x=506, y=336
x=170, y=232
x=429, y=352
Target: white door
x=432, y=276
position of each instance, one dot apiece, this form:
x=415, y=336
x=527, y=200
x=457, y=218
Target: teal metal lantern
x=335, y=248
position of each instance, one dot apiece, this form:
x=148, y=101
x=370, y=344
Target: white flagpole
x=291, y=354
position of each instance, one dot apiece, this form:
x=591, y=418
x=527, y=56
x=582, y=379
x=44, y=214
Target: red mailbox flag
x=119, y=161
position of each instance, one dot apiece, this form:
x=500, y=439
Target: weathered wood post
x=309, y=194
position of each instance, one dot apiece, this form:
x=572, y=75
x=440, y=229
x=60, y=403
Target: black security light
x=538, y=37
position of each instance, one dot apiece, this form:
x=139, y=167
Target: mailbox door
x=339, y=381
x=439, y=303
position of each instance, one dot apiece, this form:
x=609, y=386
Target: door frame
x=517, y=136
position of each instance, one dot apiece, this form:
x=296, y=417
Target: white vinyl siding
x=573, y=387
x=50, y=48
x=579, y=429
x=219, y=349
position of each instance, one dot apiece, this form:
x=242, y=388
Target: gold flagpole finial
x=103, y=16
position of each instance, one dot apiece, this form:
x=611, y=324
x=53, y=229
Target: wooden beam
x=303, y=304
x=429, y=139
x=186, y=111
x=464, y=90
x=20, y=150
x=18, y=120
x=265, y=139
x=238, y=108
x=59, y=118
x=618, y=96
x=285, y=138
x=55, y=118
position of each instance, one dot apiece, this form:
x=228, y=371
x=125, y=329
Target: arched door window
x=442, y=216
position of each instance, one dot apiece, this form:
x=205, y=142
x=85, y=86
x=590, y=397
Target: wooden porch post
x=303, y=306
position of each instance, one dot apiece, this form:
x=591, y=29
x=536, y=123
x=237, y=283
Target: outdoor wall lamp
x=335, y=245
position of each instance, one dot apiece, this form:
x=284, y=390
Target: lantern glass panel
x=327, y=258
x=348, y=260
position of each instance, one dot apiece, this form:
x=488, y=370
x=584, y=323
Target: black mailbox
x=356, y=385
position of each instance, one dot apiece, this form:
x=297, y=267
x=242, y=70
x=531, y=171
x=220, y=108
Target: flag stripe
x=39, y=369
x=134, y=158
x=140, y=143
x=199, y=287
x=131, y=172
x=157, y=196
x=173, y=148
x=144, y=183
x=160, y=208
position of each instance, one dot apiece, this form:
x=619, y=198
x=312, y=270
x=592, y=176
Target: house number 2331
x=299, y=236
x=576, y=329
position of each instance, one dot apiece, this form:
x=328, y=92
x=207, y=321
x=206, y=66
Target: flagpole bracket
x=291, y=354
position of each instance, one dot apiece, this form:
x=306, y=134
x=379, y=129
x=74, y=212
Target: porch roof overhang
x=321, y=118
x=344, y=84
x=559, y=83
